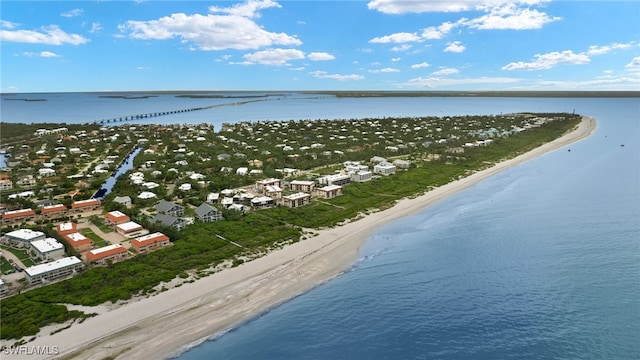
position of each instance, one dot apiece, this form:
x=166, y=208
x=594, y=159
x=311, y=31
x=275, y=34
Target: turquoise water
x=539, y=261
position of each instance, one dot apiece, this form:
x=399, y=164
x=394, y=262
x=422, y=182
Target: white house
x=47, y=249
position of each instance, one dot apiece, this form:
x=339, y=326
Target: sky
x=440, y=45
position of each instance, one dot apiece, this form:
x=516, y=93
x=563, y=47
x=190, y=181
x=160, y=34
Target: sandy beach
x=162, y=325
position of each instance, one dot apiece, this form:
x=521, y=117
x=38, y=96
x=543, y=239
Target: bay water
x=541, y=261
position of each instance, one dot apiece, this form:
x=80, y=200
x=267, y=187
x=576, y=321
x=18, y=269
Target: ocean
x=539, y=261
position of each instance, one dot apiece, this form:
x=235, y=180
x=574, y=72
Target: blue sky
x=50, y=46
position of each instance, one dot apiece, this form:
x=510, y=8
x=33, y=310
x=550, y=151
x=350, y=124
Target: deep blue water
x=539, y=261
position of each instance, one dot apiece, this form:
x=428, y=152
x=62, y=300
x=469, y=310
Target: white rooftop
x=76, y=237
x=47, y=245
x=116, y=213
x=25, y=234
x=52, y=266
x=106, y=248
x=130, y=226
x=330, y=187
x=296, y=196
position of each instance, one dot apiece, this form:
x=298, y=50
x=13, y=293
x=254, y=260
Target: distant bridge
x=166, y=113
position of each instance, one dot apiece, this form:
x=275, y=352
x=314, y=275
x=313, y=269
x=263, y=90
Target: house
x=169, y=208
x=384, y=168
x=329, y=191
x=361, y=176
x=145, y=195
x=107, y=254
x=213, y=198
x=6, y=184
x=262, y=184
x=51, y=271
x=66, y=228
x=169, y=220
x=242, y=171
x=185, y=187
x=337, y=179
x=128, y=228
x=47, y=249
x=208, y=213
x=78, y=241
x=116, y=218
x=18, y=216
x=262, y=202
x=296, y=200
x=273, y=191
x=377, y=159
x=401, y=164
x=150, y=242
x=85, y=205
x=46, y=172
x=301, y=185
x=54, y=211
x=23, y=237
x=224, y=157
x=124, y=200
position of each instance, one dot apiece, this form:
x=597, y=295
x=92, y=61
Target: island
x=210, y=228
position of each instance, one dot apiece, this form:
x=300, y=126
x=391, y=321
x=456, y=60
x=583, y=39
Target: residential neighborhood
x=164, y=178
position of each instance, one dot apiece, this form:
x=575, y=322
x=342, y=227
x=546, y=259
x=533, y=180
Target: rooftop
x=47, y=245
x=52, y=266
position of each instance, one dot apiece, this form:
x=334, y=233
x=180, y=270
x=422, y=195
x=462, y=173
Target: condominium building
x=22, y=237
x=296, y=200
x=150, y=242
x=54, y=270
x=47, y=249
x=107, y=254
x=301, y=185
x=329, y=191
x=78, y=241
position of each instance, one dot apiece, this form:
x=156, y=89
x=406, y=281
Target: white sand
x=162, y=325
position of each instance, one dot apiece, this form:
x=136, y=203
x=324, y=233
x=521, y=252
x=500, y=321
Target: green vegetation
x=200, y=247
x=6, y=266
x=97, y=240
x=22, y=255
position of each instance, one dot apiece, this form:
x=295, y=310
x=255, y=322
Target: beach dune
x=164, y=324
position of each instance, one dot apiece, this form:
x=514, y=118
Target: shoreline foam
x=174, y=321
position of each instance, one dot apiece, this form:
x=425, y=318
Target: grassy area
x=22, y=255
x=97, y=240
x=5, y=266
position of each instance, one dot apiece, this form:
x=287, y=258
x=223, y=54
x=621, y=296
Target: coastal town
x=59, y=219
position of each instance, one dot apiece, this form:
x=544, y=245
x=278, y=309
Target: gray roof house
x=169, y=208
x=208, y=213
x=169, y=220
x=124, y=200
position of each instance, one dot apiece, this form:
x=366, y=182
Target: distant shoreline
x=172, y=321
x=362, y=93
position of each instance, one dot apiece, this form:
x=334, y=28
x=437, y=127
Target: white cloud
x=235, y=29
x=396, y=59
x=435, y=82
x=385, y=70
x=8, y=24
x=421, y=65
x=320, y=56
x=95, y=27
x=325, y=75
x=48, y=54
x=549, y=60
x=455, y=46
x=634, y=65
x=247, y=9
x=420, y=6
x=600, y=50
x=402, y=37
x=50, y=35
x=445, y=71
x=72, y=13
x=277, y=57
x=403, y=47
x=141, y=68
x=432, y=32
x=297, y=68
x=510, y=17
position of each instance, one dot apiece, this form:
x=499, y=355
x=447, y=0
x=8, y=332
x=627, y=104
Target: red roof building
x=104, y=255
x=116, y=217
x=150, y=242
x=66, y=228
x=54, y=210
x=78, y=241
x=85, y=205
x=18, y=215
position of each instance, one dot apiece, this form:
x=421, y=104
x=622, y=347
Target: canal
x=125, y=165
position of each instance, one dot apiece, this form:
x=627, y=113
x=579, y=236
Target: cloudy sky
x=434, y=45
